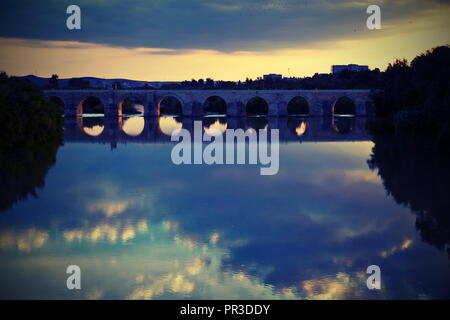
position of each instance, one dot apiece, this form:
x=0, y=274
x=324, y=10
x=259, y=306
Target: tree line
x=415, y=99
x=29, y=139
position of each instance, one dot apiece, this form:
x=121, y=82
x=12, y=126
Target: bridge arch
x=170, y=105
x=321, y=102
x=344, y=106
x=215, y=105
x=131, y=106
x=256, y=106
x=91, y=105
x=298, y=106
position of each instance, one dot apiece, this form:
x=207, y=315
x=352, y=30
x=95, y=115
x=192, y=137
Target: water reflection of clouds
x=108, y=207
x=348, y=177
x=403, y=246
x=170, y=235
x=23, y=240
x=111, y=232
x=337, y=287
x=170, y=265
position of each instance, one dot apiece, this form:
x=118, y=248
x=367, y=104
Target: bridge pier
x=362, y=107
x=273, y=109
x=71, y=109
x=197, y=109
x=235, y=123
x=150, y=109
x=110, y=110
x=235, y=109
x=324, y=107
x=272, y=123
x=282, y=108
x=187, y=108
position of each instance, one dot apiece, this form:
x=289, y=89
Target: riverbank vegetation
x=418, y=177
x=411, y=136
x=415, y=100
x=29, y=139
x=28, y=118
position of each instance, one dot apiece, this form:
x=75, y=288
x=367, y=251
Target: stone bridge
x=113, y=130
x=320, y=102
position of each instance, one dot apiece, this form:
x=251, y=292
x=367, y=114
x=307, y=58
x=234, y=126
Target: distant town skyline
x=122, y=83
x=223, y=40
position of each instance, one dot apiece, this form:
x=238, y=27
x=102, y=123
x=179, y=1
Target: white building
x=350, y=67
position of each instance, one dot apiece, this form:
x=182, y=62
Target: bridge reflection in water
x=158, y=129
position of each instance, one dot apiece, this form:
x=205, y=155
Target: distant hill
x=100, y=82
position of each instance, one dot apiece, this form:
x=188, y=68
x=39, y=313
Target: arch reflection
x=133, y=126
x=168, y=124
x=297, y=125
x=257, y=123
x=344, y=125
x=92, y=126
x=214, y=125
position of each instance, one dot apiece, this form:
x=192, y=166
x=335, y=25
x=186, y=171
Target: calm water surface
x=141, y=227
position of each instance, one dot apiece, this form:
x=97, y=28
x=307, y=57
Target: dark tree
x=53, y=82
x=29, y=139
x=417, y=175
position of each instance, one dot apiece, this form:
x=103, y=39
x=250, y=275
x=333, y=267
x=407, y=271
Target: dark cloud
x=225, y=25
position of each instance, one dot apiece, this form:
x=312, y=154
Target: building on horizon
x=272, y=76
x=350, y=67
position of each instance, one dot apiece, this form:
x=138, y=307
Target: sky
x=174, y=40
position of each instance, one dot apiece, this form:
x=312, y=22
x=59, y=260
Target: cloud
x=206, y=24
